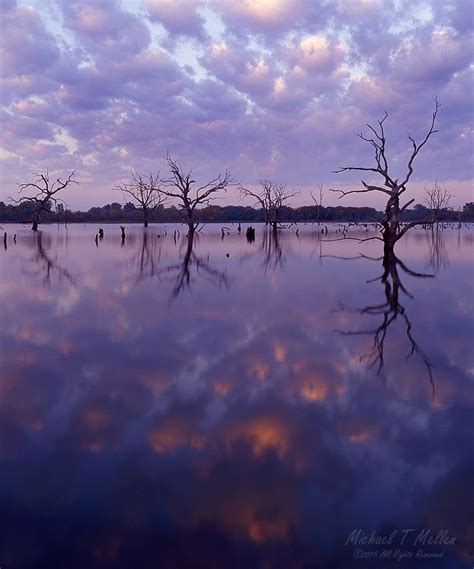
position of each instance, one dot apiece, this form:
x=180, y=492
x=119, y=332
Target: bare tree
x=318, y=202
x=144, y=191
x=437, y=199
x=45, y=195
x=182, y=187
x=272, y=198
x=392, y=229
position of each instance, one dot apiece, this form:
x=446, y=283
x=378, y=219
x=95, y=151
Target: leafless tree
x=45, y=192
x=272, y=198
x=437, y=199
x=393, y=188
x=180, y=186
x=318, y=202
x=144, y=190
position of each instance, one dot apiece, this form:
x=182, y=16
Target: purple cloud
x=274, y=88
x=179, y=19
x=25, y=45
x=104, y=29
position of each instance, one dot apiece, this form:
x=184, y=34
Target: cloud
x=274, y=87
x=105, y=29
x=267, y=18
x=25, y=44
x=433, y=58
x=182, y=19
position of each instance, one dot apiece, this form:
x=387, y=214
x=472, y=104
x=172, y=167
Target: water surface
x=237, y=405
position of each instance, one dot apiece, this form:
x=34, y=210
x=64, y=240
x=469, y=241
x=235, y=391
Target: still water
x=237, y=405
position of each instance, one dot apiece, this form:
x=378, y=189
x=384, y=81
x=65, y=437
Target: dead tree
x=391, y=227
x=437, y=199
x=144, y=190
x=318, y=202
x=45, y=193
x=272, y=198
x=182, y=187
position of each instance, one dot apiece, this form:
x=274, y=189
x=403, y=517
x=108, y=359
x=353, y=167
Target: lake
x=238, y=404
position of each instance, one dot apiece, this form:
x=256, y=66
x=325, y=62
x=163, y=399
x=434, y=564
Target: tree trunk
x=274, y=219
x=391, y=223
x=145, y=216
x=190, y=222
x=34, y=227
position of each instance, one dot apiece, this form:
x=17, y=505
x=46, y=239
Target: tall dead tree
x=45, y=192
x=272, y=198
x=144, y=190
x=180, y=186
x=437, y=199
x=393, y=188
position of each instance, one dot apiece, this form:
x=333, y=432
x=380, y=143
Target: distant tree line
x=129, y=213
x=193, y=202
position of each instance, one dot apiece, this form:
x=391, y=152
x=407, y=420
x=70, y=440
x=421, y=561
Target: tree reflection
x=184, y=273
x=273, y=257
x=272, y=249
x=438, y=255
x=45, y=263
x=147, y=257
x=389, y=312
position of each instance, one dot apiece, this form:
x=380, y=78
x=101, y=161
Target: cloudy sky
x=266, y=88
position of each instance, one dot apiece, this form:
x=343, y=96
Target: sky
x=268, y=89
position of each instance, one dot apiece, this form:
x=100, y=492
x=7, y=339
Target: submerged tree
x=145, y=191
x=45, y=194
x=181, y=186
x=272, y=198
x=393, y=188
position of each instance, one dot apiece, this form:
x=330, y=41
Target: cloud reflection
x=235, y=424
